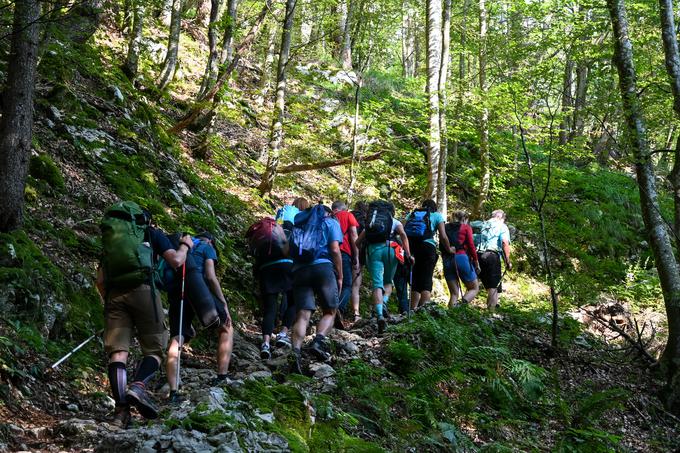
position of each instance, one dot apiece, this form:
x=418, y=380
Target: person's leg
x=300, y=328
x=269, y=305
x=171, y=363
x=326, y=322
x=225, y=344
x=356, y=287
x=346, y=291
x=415, y=299
x=305, y=304
x=326, y=290
x=375, y=261
x=289, y=313
x=117, y=339
x=453, y=291
x=429, y=257
x=492, y=298
x=472, y=290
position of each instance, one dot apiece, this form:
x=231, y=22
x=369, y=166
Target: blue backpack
x=418, y=226
x=308, y=240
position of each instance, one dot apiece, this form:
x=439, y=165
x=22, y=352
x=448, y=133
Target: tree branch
x=293, y=168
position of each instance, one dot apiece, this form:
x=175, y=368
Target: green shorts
x=135, y=313
x=382, y=264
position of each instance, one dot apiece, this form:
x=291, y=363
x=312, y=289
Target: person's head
x=338, y=206
x=206, y=237
x=499, y=215
x=361, y=206
x=430, y=204
x=388, y=205
x=460, y=216
x=301, y=203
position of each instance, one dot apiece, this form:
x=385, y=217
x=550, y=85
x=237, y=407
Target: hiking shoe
x=381, y=325
x=338, y=323
x=141, y=400
x=218, y=380
x=175, y=398
x=121, y=417
x=356, y=317
x=294, y=362
x=265, y=351
x=318, y=351
x=283, y=340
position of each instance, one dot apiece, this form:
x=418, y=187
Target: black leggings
x=269, y=307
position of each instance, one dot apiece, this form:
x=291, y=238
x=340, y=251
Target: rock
x=76, y=427
x=15, y=430
x=117, y=95
x=268, y=417
x=257, y=375
x=321, y=370
x=72, y=407
x=349, y=347
x=225, y=442
x=89, y=135
x=260, y=441
x=55, y=114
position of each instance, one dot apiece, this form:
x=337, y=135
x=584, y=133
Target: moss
x=42, y=167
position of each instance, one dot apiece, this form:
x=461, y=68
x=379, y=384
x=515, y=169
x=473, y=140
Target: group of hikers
x=307, y=255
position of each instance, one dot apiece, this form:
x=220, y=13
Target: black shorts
x=490, y=264
x=426, y=258
x=276, y=278
x=315, y=280
x=188, y=332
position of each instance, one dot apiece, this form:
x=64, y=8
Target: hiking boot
x=356, y=317
x=294, y=362
x=138, y=397
x=121, y=417
x=283, y=340
x=338, y=323
x=218, y=380
x=265, y=351
x=381, y=325
x=175, y=398
x=317, y=349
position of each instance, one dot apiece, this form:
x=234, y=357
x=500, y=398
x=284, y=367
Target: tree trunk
x=434, y=55
x=230, y=27
x=580, y=100
x=166, y=12
x=667, y=266
x=567, y=101
x=132, y=61
x=16, y=124
x=443, y=105
x=462, y=74
x=211, y=67
x=355, y=143
x=270, y=54
x=346, y=49
x=484, y=158
x=293, y=168
x=276, y=136
x=408, y=41
x=170, y=63
x=204, y=12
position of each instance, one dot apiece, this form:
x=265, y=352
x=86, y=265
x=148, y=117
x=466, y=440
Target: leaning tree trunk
x=346, y=47
x=484, y=157
x=170, y=63
x=16, y=124
x=211, y=67
x=134, y=47
x=434, y=55
x=443, y=104
x=667, y=266
x=276, y=136
x=230, y=27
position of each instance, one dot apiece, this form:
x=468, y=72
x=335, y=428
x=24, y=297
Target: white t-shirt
x=395, y=224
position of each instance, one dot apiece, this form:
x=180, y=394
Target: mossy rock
x=43, y=168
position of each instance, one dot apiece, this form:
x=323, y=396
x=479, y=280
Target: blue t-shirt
x=201, y=252
x=435, y=219
x=331, y=232
x=287, y=214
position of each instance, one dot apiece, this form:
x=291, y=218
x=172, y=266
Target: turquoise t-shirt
x=493, y=235
x=435, y=219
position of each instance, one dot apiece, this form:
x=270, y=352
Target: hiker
x=132, y=304
x=421, y=226
x=401, y=281
x=317, y=271
x=350, y=256
x=286, y=215
x=461, y=266
x=268, y=243
x=383, y=253
x=360, y=212
x=204, y=258
x=494, y=243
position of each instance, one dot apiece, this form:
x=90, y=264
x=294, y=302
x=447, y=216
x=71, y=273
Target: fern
x=528, y=377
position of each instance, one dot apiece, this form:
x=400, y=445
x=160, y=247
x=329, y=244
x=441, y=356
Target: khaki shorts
x=133, y=312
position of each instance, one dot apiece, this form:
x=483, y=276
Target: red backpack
x=267, y=240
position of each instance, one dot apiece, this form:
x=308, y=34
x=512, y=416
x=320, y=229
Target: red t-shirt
x=468, y=243
x=346, y=220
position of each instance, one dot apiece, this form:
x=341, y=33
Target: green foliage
x=43, y=168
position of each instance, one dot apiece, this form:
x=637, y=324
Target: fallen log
x=293, y=168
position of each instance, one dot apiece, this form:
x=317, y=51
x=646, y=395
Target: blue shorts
x=465, y=270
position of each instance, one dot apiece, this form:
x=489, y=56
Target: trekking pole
x=410, y=288
x=181, y=316
x=74, y=350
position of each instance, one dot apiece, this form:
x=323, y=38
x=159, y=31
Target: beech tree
x=170, y=63
x=211, y=67
x=484, y=157
x=434, y=55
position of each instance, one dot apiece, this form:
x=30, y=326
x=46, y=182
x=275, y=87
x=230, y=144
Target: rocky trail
x=209, y=418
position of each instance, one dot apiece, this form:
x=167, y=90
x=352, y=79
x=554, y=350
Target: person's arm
x=176, y=258
x=506, y=254
x=214, y=285
x=441, y=227
x=404, y=242
x=336, y=258
x=361, y=238
x=470, y=245
x=353, y=246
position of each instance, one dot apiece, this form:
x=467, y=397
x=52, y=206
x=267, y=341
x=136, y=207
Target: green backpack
x=127, y=258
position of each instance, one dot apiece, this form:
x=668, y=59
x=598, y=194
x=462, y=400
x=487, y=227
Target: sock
x=379, y=310
x=118, y=380
x=385, y=299
x=147, y=368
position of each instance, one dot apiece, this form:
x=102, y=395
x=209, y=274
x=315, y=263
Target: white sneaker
x=282, y=340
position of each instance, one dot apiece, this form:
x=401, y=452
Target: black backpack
x=452, y=230
x=378, y=223
x=361, y=220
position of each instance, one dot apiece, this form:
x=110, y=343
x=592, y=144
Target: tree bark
x=199, y=112
x=170, y=63
x=484, y=157
x=434, y=55
x=131, y=66
x=228, y=40
x=211, y=67
x=276, y=136
x=346, y=48
x=204, y=11
x=666, y=264
x=580, y=100
x=293, y=168
x=462, y=74
x=16, y=124
x=567, y=101
x=355, y=143
x=268, y=63
x=443, y=105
